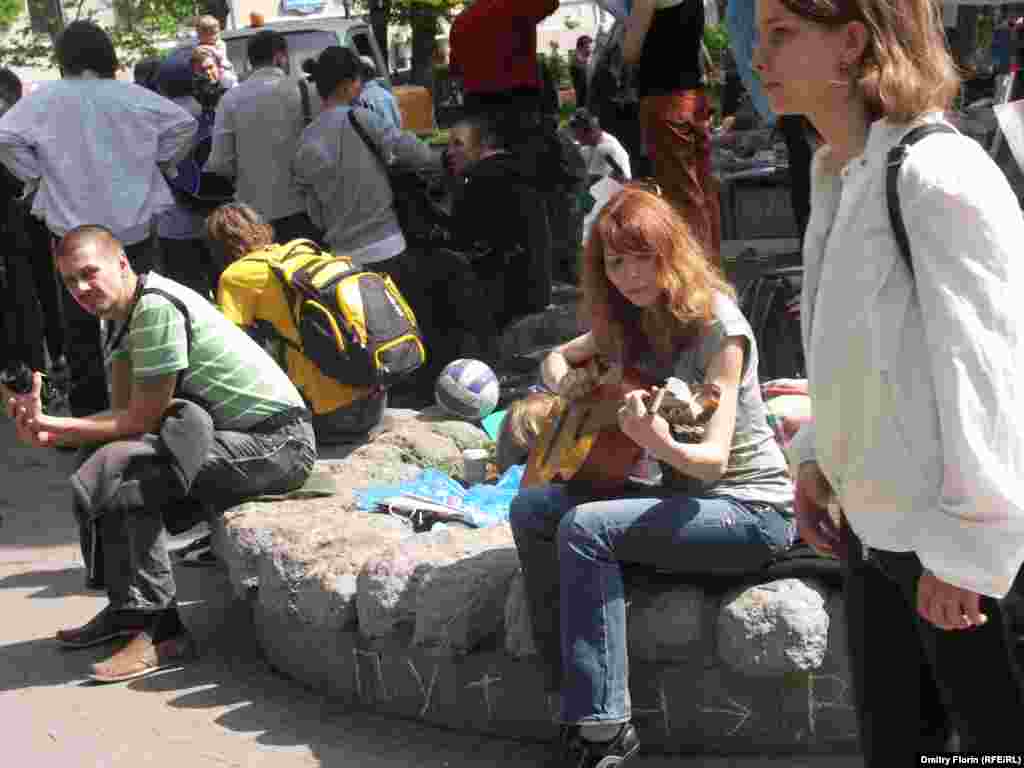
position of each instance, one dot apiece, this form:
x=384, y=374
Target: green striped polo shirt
x=237, y=381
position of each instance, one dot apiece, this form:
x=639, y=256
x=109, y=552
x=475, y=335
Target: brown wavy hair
x=639, y=221
x=236, y=229
x=907, y=69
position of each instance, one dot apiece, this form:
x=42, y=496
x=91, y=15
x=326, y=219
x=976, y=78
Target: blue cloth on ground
x=482, y=504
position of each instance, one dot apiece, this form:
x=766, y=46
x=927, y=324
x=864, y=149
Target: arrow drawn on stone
x=739, y=711
x=661, y=709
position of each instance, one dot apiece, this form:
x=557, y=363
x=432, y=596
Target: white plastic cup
x=474, y=465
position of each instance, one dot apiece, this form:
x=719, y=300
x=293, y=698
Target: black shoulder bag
x=141, y=290
x=417, y=215
x=894, y=161
x=307, y=109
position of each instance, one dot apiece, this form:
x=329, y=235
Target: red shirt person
x=493, y=47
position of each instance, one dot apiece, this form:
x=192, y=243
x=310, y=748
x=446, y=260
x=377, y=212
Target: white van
x=309, y=35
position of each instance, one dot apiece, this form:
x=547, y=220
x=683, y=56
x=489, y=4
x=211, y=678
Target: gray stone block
x=326, y=599
x=463, y=603
x=518, y=626
x=390, y=581
x=774, y=628
x=667, y=626
x=318, y=550
x=241, y=547
x=837, y=658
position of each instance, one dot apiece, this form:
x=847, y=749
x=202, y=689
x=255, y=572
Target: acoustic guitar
x=581, y=443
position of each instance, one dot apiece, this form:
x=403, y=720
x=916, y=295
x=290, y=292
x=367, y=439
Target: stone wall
x=433, y=626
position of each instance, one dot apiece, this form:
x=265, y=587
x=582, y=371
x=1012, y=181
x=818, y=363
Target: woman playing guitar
x=656, y=305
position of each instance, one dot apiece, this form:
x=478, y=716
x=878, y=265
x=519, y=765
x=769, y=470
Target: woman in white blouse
x=915, y=375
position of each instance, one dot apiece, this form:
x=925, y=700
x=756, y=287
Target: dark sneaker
x=105, y=625
x=580, y=753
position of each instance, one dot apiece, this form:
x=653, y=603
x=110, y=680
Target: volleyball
x=467, y=389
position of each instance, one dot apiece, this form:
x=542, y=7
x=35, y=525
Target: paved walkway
x=228, y=709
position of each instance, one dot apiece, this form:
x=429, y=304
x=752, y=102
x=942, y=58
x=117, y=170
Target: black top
x=670, y=60
x=578, y=73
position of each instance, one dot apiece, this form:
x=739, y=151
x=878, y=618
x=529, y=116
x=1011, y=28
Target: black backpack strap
x=307, y=110
x=616, y=168
x=892, y=178
x=180, y=306
x=370, y=145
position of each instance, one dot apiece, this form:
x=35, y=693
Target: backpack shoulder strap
x=370, y=145
x=894, y=162
x=307, y=110
x=178, y=305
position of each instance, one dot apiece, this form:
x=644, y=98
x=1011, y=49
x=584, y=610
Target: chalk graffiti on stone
x=426, y=692
x=740, y=712
x=378, y=667
x=661, y=709
x=484, y=684
x=815, y=704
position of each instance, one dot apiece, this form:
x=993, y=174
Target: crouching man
x=202, y=419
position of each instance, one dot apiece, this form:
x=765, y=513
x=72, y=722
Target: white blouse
x=94, y=146
x=916, y=380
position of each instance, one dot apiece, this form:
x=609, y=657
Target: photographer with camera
x=191, y=79
x=207, y=74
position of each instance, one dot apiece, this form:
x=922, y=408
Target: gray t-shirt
x=757, y=469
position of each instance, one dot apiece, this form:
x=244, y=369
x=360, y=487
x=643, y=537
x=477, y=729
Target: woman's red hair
x=639, y=221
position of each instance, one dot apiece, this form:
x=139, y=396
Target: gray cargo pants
x=124, y=539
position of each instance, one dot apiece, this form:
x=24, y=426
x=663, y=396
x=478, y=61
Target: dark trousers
x=293, y=227
x=47, y=289
x=124, y=539
x=23, y=320
x=190, y=263
x=82, y=346
x=426, y=279
x=914, y=683
x=794, y=130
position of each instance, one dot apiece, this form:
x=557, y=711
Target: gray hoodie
x=346, y=188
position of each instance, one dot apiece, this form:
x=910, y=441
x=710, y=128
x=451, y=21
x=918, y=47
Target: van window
x=302, y=44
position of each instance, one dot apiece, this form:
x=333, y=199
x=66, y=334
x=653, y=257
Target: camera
x=17, y=377
x=206, y=91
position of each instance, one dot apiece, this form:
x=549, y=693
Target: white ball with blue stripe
x=467, y=389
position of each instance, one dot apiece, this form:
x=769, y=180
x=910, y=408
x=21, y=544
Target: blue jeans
x=572, y=551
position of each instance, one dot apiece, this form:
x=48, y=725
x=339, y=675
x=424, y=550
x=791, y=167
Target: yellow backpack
x=353, y=323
